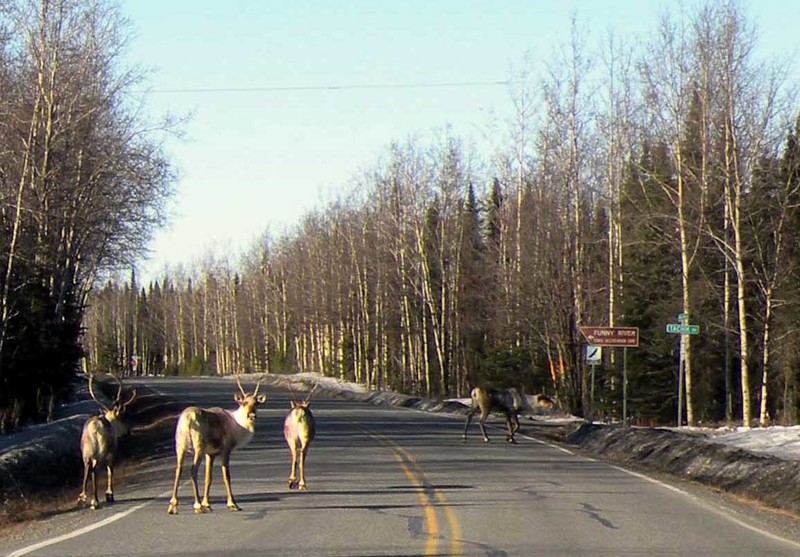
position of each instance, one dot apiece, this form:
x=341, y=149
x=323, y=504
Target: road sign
x=612, y=336
x=681, y=329
x=594, y=354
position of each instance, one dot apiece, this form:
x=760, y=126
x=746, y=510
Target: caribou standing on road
x=214, y=432
x=505, y=401
x=299, y=430
x=99, y=441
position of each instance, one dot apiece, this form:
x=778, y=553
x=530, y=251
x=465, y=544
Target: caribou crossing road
x=384, y=481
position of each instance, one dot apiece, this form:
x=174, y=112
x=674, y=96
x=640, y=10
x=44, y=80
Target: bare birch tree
x=667, y=80
x=750, y=117
x=567, y=173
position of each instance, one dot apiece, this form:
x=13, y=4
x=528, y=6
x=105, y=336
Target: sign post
x=594, y=355
x=614, y=337
x=684, y=329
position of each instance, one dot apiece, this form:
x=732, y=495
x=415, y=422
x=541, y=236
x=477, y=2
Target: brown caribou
x=505, y=401
x=299, y=430
x=99, y=442
x=214, y=432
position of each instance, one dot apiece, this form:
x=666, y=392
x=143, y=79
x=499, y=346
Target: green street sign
x=681, y=329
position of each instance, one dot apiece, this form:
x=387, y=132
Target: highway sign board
x=681, y=329
x=612, y=336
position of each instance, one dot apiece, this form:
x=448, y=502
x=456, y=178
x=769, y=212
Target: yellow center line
x=429, y=497
x=450, y=515
x=432, y=523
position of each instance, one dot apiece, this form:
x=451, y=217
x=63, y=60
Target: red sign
x=611, y=336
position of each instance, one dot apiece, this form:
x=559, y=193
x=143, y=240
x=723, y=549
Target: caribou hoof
x=202, y=509
x=234, y=508
x=485, y=439
x=293, y=484
x=302, y=487
x=172, y=509
x=109, y=497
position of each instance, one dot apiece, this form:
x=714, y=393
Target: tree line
x=629, y=185
x=83, y=182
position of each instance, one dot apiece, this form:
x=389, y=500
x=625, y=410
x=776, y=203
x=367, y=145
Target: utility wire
x=332, y=87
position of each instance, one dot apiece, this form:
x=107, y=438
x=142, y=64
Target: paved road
x=400, y=482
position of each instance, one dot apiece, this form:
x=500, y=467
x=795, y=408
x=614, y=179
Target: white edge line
x=667, y=486
x=84, y=530
x=679, y=491
x=709, y=507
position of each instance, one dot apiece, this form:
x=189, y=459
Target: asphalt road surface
x=385, y=481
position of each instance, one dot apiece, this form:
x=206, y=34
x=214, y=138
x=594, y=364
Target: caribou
x=299, y=430
x=99, y=441
x=505, y=401
x=214, y=432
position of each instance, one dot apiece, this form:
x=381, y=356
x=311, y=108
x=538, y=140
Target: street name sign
x=682, y=329
x=612, y=336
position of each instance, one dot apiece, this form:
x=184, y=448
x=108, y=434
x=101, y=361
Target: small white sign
x=594, y=354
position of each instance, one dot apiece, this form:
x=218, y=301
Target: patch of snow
x=780, y=441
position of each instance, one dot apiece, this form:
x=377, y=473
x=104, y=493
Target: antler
x=119, y=390
x=133, y=395
x=118, y=399
x=311, y=393
x=258, y=384
x=239, y=382
x=91, y=392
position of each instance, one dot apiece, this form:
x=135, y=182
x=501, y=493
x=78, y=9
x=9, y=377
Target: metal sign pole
x=625, y=386
x=684, y=330
x=681, y=365
x=613, y=337
x=591, y=393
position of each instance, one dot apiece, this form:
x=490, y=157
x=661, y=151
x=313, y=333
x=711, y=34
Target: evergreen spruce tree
x=472, y=278
x=650, y=292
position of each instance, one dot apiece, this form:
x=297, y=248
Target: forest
x=646, y=179
x=83, y=182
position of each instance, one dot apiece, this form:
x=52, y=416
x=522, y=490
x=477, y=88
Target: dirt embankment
x=767, y=479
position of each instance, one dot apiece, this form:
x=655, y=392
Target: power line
x=294, y=88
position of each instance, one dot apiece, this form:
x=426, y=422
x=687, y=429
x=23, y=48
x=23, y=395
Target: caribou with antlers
x=299, y=430
x=214, y=432
x=99, y=440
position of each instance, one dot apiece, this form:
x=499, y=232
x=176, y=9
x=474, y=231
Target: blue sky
x=288, y=96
